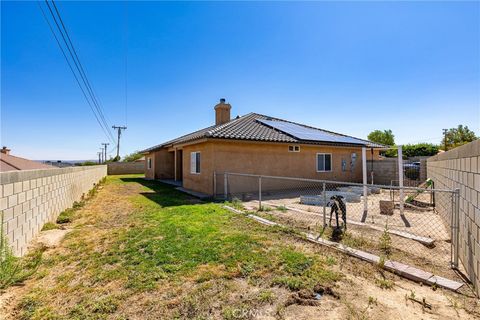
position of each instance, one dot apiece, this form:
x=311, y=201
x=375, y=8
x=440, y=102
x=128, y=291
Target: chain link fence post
x=259, y=193
x=324, y=206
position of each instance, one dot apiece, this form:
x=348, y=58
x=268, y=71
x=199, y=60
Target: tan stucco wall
x=162, y=165
x=266, y=159
x=202, y=182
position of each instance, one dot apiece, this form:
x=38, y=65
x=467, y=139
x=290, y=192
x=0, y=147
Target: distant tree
x=86, y=163
x=458, y=136
x=385, y=137
x=113, y=159
x=419, y=150
x=132, y=157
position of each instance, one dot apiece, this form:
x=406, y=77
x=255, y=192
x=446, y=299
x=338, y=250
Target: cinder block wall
x=126, y=167
x=30, y=198
x=384, y=171
x=460, y=168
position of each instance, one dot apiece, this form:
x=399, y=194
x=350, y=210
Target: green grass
x=384, y=283
x=15, y=270
x=49, y=226
x=166, y=240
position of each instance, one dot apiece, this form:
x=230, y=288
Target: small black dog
x=337, y=205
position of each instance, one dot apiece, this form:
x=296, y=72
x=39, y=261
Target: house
x=13, y=163
x=256, y=144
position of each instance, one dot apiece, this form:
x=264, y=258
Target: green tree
x=419, y=150
x=385, y=137
x=455, y=137
x=132, y=157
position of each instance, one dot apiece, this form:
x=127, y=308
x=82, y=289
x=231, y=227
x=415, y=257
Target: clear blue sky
x=413, y=67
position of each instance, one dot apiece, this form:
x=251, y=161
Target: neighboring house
x=12, y=163
x=257, y=144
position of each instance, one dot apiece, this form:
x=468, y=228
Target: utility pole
x=105, y=146
x=99, y=157
x=445, y=138
x=119, y=132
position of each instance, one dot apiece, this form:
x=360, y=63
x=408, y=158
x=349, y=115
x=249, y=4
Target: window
x=149, y=163
x=324, y=162
x=293, y=148
x=195, y=162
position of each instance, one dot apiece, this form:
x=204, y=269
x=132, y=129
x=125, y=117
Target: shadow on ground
x=163, y=194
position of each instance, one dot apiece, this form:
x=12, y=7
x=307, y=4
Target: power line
x=79, y=65
x=73, y=72
x=126, y=60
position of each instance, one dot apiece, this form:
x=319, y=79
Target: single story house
x=257, y=144
x=13, y=163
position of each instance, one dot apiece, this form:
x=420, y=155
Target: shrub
x=419, y=150
x=49, y=226
x=66, y=216
x=12, y=269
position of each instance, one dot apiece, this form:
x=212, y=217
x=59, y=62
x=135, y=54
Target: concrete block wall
x=31, y=198
x=384, y=171
x=460, y=168
x=126, y=167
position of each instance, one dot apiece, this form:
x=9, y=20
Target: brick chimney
x=222, y=112
x=5, y=150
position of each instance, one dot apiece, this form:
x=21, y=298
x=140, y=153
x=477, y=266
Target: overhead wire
x=87, y=88
x=73, y=72
x=82, y=70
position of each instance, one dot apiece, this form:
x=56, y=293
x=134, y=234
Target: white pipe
x=400, y=177
x=364, y=169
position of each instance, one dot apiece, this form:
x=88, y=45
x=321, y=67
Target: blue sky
x=413, y=67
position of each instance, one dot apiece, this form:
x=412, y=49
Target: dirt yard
x=141, y=250
x=365, y=231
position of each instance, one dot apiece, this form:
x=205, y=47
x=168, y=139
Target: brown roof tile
x=12, y=163
x=248, y=127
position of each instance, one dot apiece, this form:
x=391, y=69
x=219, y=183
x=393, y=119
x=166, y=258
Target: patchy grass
x=235, y=203
x=165, y=237
x=49, y=226
x=15, y=270
x=140, y=249
x=385, y=283
x=265, y=208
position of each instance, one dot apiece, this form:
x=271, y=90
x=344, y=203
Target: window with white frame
x=324, y=162
x=149, y=163
x=195, y=162
x=293, y=148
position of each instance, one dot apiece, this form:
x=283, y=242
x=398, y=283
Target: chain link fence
x=411, y=225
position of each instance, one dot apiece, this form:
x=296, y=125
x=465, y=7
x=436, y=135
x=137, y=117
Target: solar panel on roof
x=311, y=134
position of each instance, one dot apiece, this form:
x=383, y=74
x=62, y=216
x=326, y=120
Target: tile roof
x=248, y=127
x=12, y=163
